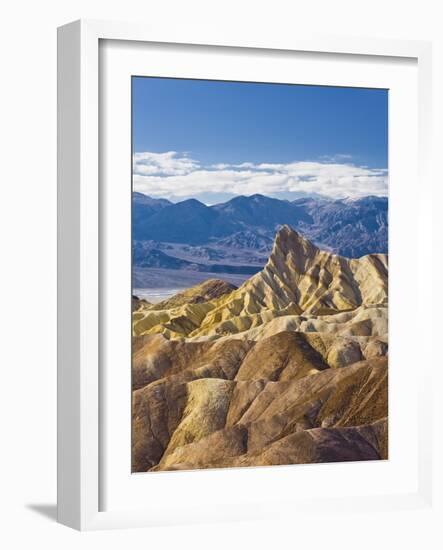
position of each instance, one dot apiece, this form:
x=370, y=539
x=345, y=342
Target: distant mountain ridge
x=260, y=211
x=157, y=258
x=352, y=228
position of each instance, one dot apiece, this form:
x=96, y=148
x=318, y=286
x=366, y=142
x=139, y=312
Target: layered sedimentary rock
x=181, y=422
x=204, y=292
x=289, y=368
x=299, y=278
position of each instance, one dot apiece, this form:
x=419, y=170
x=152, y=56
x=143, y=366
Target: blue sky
x=195, y=137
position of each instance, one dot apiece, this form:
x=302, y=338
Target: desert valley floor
x=290, y=367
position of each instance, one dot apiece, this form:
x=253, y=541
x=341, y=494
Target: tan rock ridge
x=204, y=292
x=298, y=278
x=362, y=321
x=282, y=356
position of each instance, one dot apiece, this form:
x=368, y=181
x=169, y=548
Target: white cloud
x=163, y=164
x=176, y=177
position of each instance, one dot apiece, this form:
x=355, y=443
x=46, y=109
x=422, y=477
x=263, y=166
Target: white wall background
x=28, y=268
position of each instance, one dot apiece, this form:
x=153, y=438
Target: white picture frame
x=80, y=260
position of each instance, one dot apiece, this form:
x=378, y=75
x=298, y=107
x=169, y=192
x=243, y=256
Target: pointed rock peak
x=288, y=240
x=291, y=251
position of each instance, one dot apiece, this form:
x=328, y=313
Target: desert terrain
x=289, y=367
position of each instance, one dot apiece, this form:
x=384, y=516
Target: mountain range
x=361, y=223
x=236, y=236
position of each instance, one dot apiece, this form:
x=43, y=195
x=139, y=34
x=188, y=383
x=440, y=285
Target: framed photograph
x=233, y=343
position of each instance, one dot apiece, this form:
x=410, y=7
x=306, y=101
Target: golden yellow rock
x=299, y=279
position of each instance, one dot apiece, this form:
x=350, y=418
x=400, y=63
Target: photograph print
x=259, y=274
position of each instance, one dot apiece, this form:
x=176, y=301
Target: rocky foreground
x=289, y=368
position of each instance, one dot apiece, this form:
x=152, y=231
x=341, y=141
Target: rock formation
x=289, y=368
x=299, y=278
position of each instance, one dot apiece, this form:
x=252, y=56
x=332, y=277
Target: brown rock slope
x=186, y=422
x=289, y=368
